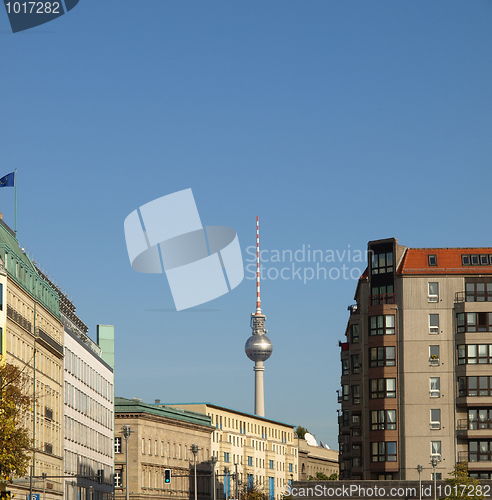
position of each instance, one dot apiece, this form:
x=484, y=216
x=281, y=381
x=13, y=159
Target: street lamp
x=194, y=450
x=434, y=465
x=126, y=433
x=226, y=480
x=420, y=468
x=213, y=461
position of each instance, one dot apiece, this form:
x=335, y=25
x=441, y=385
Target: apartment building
x=261, y=450
x=416, y=381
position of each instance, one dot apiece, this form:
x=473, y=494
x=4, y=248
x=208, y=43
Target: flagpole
x=15, y=187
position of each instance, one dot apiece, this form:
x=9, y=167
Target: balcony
x=473, y=428
x=382, y=298
x=472, y=296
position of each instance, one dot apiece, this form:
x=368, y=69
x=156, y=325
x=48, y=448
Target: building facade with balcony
x=415, y=383
x=263, y=451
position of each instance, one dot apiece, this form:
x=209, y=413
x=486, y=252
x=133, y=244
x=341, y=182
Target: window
x=382, y=388
x=356, y=394
x=382, y=263
x=345, y=417
x=345, y=392
x=435, y=419
x=226, y=457
x=478, y=291
x=432, y=260
x=433, y=323
x=472, y=354
x=474, y=386
x=143, y=446
x=250, y=461
x=436, y=449
x=382, y=325
x=382, y=295
x=465, y=260
x=355, y=363
x=382, y=356
x=345, y=366
x=438, y=476
x=479, y=419
x=382, y=420
x=384, y=451
x=271, y=464
x=434, y=354
x=117, y=445
x=290, y=467
x=117, y=478
x=480, y=451
x=435, y=387
x=433, y=291
x=354, y=330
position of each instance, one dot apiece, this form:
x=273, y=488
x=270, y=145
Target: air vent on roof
x=138, y=400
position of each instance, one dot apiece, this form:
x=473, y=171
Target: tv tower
x=258, y=347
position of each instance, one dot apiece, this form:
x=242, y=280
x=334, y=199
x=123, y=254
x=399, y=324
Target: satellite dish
x=327, y=447
x=310, y=439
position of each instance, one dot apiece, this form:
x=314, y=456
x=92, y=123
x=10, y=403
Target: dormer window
x=432, y=260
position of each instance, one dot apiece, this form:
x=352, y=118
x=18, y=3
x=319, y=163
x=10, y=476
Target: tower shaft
x=259, y=390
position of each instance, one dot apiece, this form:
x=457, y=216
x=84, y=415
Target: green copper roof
x=20, y=268
x=122, y=405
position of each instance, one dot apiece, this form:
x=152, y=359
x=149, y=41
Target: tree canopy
x=15, y=441
x=462, y=485
x=301, y=432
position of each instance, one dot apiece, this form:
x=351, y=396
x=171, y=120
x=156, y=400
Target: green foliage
x=15, y=442
x=319, y=476
x=301, y=432
x=462, y=485
x=254, y=492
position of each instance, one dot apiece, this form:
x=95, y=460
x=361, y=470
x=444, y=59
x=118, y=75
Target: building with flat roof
x=416, y=382
x=316, y=459
x=31, y=335
x=263, y=450
x=160, y=439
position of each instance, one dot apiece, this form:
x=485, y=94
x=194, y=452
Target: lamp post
x=434, y=465
x=226, y=481
x=213, y=461
x=126, y=433
x=194, y=450
x=420, y=468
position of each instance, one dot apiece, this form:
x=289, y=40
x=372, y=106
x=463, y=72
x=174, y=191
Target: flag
x=8, y=180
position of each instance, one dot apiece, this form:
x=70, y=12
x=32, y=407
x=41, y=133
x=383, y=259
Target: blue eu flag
x=8, y=180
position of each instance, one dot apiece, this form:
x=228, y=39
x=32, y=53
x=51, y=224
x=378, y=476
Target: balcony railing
x=382, y=298
x=463, y=296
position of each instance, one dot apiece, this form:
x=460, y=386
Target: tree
x=462, y=485
x=320, y=476
x=301, y=432
x=254, y=492
x=15, y=441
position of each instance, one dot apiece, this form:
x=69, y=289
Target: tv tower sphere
x=258, y=347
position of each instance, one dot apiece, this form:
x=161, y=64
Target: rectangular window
x=271, y=464
x=382, y=263
x=433, y=323
x=354, y=333
x=435, y=419
x=345, y=366
x=384, y=451
x=117, y=445
x=226, y=457
x=433, y=291
x=117, y=478
x=356, y=394
x=382, y=420
x=436, y=449
x=382, y=356
x=432, y=259
x=382, y=325
x=290, y=467
x=250, y=461
x=382, y=388
x=355, y=363
x=435, y=387
x=434, y=354
x=345, y=392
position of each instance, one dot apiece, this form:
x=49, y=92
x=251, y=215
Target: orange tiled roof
x=416, y=261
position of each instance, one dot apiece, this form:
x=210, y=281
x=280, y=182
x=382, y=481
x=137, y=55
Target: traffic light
x=100, y=476
x=167, y=476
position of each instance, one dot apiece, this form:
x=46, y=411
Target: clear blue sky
x=337, y=122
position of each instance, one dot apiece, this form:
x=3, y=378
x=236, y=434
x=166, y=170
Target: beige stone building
x=161, y=438
x=32, y=338
x=416, y=381
x=314, y=459
x=263, y=451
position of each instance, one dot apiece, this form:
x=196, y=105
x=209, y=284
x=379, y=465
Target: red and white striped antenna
x=258, y=301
